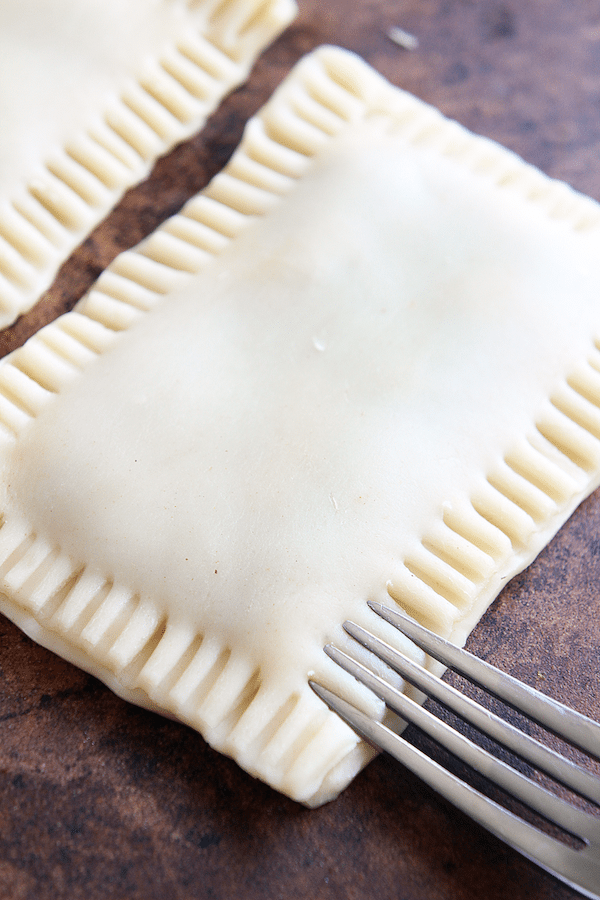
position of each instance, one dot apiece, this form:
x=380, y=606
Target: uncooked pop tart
x=90, y=95
x=361, y=365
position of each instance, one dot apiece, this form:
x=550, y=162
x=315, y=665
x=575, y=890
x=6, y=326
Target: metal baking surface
x=101, y=799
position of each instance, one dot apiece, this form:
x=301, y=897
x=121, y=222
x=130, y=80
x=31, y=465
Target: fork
x=576, y=863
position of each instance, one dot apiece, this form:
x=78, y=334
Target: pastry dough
x=360, y=365
x=91, y=93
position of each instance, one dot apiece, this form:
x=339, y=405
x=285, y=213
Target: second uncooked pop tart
x=360, y=365
x=91, y=93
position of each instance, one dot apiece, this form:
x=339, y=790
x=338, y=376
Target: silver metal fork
x=575, y=860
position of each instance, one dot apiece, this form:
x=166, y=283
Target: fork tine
x=574, y=727
x=583, y=782
x=551, y=855
x=536, y=797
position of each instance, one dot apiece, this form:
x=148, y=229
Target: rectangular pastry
x=90, y=95
x=362, y=364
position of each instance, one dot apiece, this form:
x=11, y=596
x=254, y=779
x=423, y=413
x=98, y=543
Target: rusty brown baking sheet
x=100, y=799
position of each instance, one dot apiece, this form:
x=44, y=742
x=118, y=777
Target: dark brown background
x=99, y=799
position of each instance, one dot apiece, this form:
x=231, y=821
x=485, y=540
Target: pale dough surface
x=278, y=434
x=60, y=61
x=285, y=435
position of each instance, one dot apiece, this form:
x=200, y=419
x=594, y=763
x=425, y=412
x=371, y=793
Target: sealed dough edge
x=463, y=559
x=75, y=181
